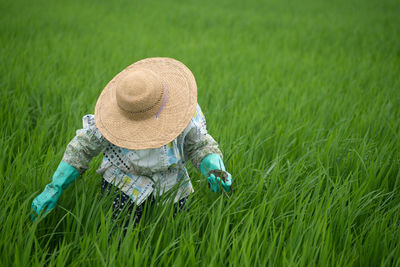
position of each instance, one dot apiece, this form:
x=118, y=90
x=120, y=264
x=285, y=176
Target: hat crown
x=140, y=93
x=120, y=125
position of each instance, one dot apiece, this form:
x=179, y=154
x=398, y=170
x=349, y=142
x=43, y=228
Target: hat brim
x=120, y=128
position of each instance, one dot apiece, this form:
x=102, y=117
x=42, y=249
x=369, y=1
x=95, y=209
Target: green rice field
x=302, y=96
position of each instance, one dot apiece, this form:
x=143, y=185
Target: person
x=148, y=125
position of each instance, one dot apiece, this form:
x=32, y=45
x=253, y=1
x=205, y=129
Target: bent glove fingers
x=214, y=183
x=41, y=210
x=38, y=205
x=227, y=184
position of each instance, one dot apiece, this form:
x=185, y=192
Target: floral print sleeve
x=87, y=144
x=198, y=143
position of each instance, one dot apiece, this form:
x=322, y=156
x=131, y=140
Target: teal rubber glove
x=47, y=200
x=213, y=168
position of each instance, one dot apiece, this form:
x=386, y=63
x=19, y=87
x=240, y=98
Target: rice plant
x=302, y=96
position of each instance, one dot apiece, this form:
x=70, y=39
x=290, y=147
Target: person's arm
x=203, y=151
x=87, y=144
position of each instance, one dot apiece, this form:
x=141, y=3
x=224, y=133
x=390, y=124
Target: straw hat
x=148, y=104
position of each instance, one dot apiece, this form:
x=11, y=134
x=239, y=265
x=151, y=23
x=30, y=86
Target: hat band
x=164, y=101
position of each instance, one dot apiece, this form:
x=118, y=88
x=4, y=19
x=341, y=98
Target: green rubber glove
x=213, y=168
x=47, y=200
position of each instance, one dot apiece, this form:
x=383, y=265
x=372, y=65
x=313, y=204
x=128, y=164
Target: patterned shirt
x=139, y=173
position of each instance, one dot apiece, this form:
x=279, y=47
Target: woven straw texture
x=131, y=131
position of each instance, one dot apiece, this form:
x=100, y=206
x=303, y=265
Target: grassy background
x=303, y=97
